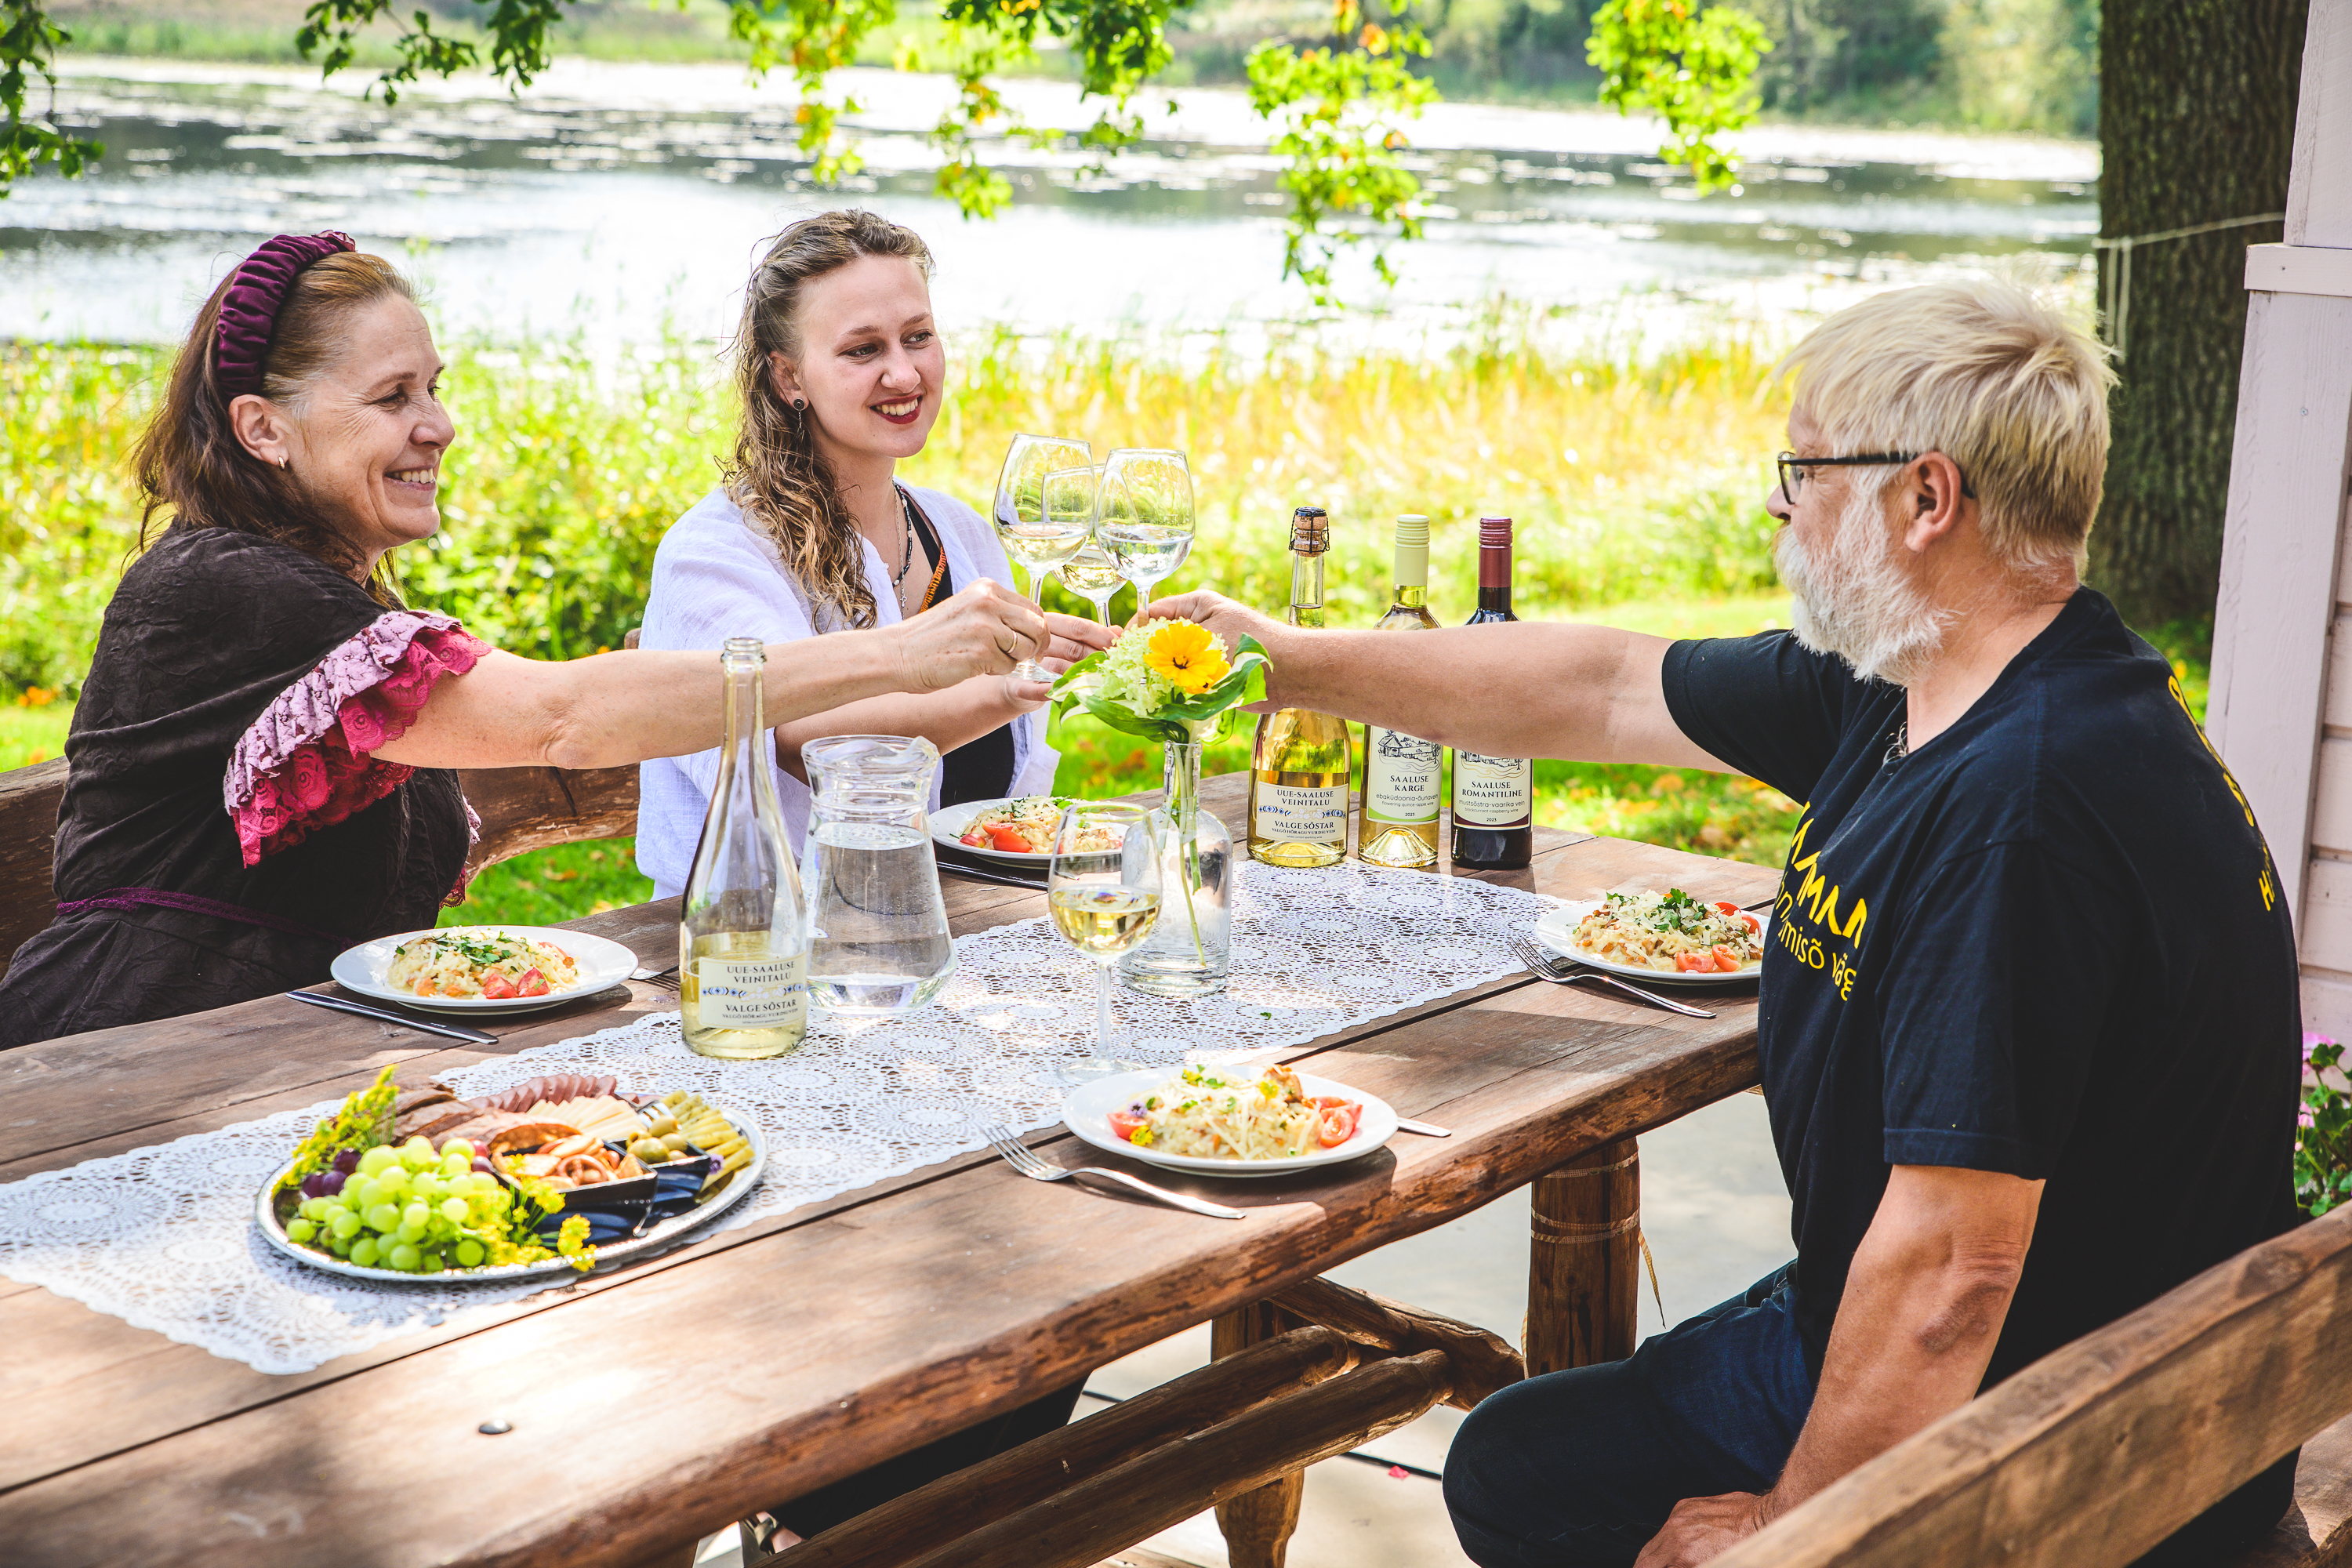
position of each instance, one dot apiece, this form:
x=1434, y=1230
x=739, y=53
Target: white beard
x=1860, y=603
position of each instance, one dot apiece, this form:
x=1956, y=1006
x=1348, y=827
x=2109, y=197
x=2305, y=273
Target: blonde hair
x=1991, y=376
x=777, y=474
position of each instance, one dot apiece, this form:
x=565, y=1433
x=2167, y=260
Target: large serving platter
x=1087, y=1112
x=1556, y=931
x=265, y=1215
x=603, y=963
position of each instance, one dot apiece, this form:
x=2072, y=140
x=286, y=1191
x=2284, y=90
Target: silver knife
x=448, y=1031
x=1426, y=1129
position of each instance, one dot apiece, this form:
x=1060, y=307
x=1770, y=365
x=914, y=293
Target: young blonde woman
x=840, y=369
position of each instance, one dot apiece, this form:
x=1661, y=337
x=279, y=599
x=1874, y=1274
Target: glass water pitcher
x=878, y=939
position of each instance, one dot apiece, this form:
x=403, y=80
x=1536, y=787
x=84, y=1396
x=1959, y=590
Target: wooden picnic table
x=655, y=1405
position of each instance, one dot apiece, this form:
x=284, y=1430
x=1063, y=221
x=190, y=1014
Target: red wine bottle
x=1493, y=798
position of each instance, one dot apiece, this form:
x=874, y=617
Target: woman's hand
x=984, y=631
x=1072, y=640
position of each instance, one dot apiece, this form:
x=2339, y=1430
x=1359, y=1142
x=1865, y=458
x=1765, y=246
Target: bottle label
x=1300, y=814
x=1401, y=776
x=753, y=993
x=1493, y=792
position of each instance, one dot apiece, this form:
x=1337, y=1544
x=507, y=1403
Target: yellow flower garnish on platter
x=1188, y=656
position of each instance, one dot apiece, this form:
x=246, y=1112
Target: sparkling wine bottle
x=1493, y=798
x=1301, y=761
x=742, y=935
x=1396, y=824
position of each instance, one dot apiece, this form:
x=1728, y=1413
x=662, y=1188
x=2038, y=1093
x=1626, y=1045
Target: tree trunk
x=2195, y=126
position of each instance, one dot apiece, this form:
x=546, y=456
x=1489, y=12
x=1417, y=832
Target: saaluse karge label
x=1403, y=777
x=753, y=993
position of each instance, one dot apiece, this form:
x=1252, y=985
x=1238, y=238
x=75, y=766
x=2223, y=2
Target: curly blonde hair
x=777, y=474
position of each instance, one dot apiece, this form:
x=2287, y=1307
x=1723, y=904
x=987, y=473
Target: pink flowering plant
x=2323, y=1131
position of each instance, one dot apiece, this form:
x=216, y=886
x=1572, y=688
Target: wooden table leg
x=1585, y=1260
x=1258, y=1524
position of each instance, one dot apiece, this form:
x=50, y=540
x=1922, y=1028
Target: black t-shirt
x=2048, y=941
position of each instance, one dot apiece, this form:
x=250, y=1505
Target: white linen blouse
x=717, y=576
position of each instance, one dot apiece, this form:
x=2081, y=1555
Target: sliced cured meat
x=417, y=1098
x=436, y=1123
x=555, y=1087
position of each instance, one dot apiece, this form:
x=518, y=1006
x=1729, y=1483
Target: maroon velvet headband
x=249, y=310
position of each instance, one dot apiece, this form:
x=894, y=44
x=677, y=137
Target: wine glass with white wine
x=1103, y=888
x=1091, y=573
x=1145, y=516
x=1038, y=536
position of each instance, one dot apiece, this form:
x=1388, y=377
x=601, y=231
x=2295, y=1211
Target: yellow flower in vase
x=1187, y=655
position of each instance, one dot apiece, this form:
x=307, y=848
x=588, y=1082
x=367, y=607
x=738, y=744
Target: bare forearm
x=1924, y=1305
x=1525, y=690
x=956, y=717
x=616, y=708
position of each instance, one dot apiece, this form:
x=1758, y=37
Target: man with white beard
x=2028, y=1027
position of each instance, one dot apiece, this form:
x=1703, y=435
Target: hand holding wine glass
x=1103, y=888
x=1038, y=535
x=1145, y=516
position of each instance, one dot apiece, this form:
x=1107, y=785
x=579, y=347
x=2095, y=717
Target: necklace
x=907, y=555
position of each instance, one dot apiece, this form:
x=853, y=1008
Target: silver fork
x=1561, y=971
x=1024, y=1159
x=666, y=977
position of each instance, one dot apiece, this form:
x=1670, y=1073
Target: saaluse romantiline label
x=1492, y=791
x=1301, y=813
x=753, y=993
x=1402, y=776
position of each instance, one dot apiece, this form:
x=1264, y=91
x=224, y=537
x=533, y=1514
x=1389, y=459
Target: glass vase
x=1191, y=945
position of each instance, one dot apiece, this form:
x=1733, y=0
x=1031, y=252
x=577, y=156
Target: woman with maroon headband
x=261, y=761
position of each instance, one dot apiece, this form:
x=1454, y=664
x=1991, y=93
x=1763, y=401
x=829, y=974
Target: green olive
x=674, y=1141
x=662, y=1127
x=649, y=1149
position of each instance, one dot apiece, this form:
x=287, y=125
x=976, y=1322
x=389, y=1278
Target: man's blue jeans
x=1579, y=1470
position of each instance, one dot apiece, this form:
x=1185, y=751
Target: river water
x=623, y=202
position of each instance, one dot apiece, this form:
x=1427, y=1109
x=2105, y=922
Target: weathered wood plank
x=1257, y=1521
x=523, y=809
x=955, y=1506
x=2096, y=1452
x=1483, y=1361
x=29, y=798
x=1150, y=1493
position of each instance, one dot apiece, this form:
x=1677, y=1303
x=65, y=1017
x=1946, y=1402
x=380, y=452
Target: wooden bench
x=522, y=809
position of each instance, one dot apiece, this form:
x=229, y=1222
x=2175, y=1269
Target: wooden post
x=1258, y=1524
x=1585, y=1260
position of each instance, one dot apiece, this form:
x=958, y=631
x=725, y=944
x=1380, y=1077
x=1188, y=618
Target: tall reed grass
x=1630, y=479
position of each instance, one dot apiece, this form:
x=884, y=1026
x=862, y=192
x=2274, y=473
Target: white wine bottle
x=1404, y=776
x=1493, y=798
x=742, y=935
x=1301, y=761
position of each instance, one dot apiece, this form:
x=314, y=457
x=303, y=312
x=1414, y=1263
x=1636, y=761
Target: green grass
x=552, y=885
x=33, y=732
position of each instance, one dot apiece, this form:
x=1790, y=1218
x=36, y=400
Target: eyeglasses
x=1792, y=470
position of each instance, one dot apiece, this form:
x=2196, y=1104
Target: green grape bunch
x=422, y=1210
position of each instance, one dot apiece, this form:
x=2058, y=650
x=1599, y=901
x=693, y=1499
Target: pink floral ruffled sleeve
x=306, y=762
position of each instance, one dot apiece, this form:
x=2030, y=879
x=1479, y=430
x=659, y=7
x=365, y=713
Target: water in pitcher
x=878, y=937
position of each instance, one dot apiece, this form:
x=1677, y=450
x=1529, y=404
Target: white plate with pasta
x=1670, y=938
x=483, y=969
x=1179, y=1110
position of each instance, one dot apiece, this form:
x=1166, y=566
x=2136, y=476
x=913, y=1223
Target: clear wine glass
x=1103, y=888
x=1031, y=534
x=1091, y=573
x=1145, y=516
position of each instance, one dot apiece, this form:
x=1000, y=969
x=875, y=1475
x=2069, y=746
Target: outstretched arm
x=616, y=708
x=1524, y=689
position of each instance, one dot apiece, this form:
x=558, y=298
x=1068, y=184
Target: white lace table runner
x=163, y=1237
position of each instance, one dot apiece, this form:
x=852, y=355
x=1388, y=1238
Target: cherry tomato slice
x=1124, y=1123
x=497, y=987
x=975, y=837
x=1725, y=961
x=1753, y=923
x=1339, y=1124
x=1008, y=839
x=1727, y=908
x=1695, y=962
x=1326, y=1101
x=533, y=984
